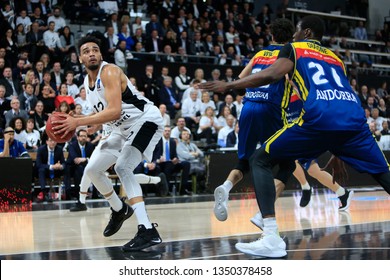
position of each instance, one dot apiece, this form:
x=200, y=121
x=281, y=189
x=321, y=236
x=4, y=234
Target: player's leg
x=361, y=151
x=345, y=196
x=299, y=174
x=141, y=143
x=96, y=169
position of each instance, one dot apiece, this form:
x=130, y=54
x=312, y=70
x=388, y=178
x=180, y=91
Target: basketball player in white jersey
x=86, y=181
x=137, y=127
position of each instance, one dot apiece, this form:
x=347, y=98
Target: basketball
x=56, y=116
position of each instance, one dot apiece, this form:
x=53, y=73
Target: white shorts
x=143, y=134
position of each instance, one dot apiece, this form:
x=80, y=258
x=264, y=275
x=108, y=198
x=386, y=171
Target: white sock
x=340, y=191
x=305, y=186
x=115, y=202
x=228, y=185
x=140, y=213
x=270, y=226
x=82, y=197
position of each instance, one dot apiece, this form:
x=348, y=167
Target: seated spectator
x=82, y=100
x=31, y=78
x=121, y=55
x=32, y=136
x=383, y=110
x=190, y=110
x=50, y=163
x=63, y=96
x=382, y=91
x=5, y=105
x=169, y=97
x=15, y=112
x=368, y=115
x=208, y=126
x=385, y=128
x=186, y=93
x=187, y=151
x=206, y=102
x=79, y=153
x=57, y=19
x=27, y=99
x=182, y=81
x=179, y=128
x=24, y=19
x=167, y=56
x=163, y=110
x=167, y=161
x=73, y=64
x=227, y=103
x=222, y=119
x=57, y=76
x=39, y=117
x=19, y=126
x=377, y=119
x=47, y=81
x=232, y=137
x=9, y=147
x=47, y=98
x=124, y=35
x=52, y=42
x=225, y=130
x=35, y=41
x=12, y=87
x=375, y=132
x=73, y=89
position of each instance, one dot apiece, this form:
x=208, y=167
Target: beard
x=93, y=67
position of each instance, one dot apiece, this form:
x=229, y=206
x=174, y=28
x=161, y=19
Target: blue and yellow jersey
x=329, y=102
x=293, y=112
x=277, y=93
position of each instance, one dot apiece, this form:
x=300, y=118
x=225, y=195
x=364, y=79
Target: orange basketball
x=57, y=116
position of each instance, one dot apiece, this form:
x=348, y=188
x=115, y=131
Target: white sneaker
x=221, y=196
x=257, y=220
x=268, y=246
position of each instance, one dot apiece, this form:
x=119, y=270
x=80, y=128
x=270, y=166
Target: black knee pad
x=243, y=166
x=286, y=169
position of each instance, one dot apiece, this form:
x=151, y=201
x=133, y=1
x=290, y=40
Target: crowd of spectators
x=40, y=72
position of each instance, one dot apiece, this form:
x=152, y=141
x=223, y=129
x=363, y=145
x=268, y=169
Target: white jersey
x=134, y=105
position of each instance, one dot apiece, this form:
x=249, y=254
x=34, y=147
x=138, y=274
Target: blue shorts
x=357, y=148
x=258, y=121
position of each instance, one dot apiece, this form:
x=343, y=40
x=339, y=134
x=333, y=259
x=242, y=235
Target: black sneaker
x=345, y=200
x=78, y=207
x=117, y=219
x=305, y=199
x=143, y=239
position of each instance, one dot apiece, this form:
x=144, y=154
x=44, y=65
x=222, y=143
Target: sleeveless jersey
x=329, y=102
x=277, y=93
x=134, y=104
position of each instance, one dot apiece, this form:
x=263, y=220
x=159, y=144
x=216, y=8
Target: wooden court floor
x=190, y=231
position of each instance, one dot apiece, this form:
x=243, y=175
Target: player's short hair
x=282, y=30
x=316, y=24
x=88, y=39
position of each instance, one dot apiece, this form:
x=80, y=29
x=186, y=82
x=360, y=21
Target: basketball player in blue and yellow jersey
x=332, y=120
x=262, y=115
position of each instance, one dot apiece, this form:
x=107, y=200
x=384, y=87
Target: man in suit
x=168, y=162
x=169, y=97
x=50, y=163
x=232, y=137
x=15, y=112
x=153, y=24
x=12, y=87
x=79, y=153
x=153, y=44
x=35, y=42
x=229, y=103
